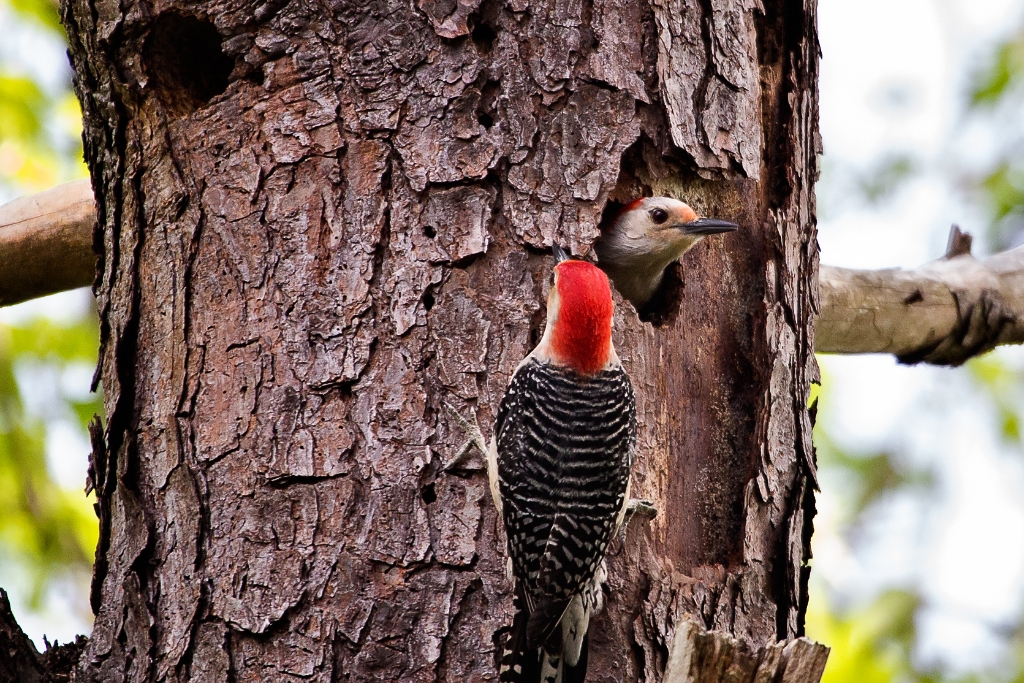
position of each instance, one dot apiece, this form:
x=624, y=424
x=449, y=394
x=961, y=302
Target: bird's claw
x=643, y=507
x=638, y=506
x=476, y=438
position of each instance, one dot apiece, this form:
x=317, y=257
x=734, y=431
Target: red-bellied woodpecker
x=645, y=237
x=559, y=466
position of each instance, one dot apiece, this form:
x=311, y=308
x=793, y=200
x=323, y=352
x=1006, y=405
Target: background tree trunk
x=318, y=221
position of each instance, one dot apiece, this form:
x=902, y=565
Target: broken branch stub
x=46, y=243
x=699, y=656
x=944, y=312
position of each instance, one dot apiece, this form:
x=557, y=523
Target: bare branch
x=943, y=312
x=46, y=242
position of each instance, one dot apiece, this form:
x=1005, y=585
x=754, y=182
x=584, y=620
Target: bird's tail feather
x=520, y=663
x=554, y=668
x=550, y=668
x=524, y=661
x=576, y=674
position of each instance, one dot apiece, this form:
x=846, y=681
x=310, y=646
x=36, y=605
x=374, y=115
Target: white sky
x=894, y=81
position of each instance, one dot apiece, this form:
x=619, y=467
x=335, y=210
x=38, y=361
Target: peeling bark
x=336, y=217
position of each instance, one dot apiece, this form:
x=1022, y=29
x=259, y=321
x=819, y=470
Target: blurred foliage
x=46, y=532
x=875, y=642
x=872, y=643
x=863, y=479
x=867, y=477
x=843, y=185
x=869, y=645
x=884, y=179
x=1005, y=387
x=48, y=529
x=40, y=131
x=45, y=12
x=999, y=89
x=1003, y=189
x=1003, y=74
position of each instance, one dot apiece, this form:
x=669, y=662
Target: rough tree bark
x=317, y=221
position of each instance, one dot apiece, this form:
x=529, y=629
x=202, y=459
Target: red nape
x=635, y=204
x=582, y=337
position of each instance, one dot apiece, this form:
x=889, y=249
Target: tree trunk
x=317, y=222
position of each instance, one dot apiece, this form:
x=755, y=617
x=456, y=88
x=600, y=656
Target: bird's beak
x=559, y=253
x=706, y=226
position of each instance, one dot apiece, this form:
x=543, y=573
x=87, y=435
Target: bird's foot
x=476, y=439
x=641, y=506
x=638, y=506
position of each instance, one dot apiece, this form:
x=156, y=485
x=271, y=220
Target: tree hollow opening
x=185, y=63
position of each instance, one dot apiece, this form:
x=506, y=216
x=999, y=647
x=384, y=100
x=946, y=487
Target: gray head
x=647, y=236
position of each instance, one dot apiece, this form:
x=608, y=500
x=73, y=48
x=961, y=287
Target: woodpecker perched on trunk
x=646, y=236
x=559, y=466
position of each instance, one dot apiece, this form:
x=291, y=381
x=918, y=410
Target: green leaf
x=44, y=12
x=1002, y=74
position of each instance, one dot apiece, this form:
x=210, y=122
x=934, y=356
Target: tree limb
x=46, y=242
x=944, y=312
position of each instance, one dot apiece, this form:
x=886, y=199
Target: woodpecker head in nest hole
x=645, y=237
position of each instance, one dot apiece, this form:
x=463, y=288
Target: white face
x=647, y=237
x=652, y=229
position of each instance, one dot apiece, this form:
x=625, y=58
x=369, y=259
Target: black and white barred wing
x=565, y=447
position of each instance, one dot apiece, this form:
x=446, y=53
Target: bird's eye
x=659, y=216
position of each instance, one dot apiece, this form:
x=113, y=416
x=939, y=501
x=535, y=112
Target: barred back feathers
x=565, y=444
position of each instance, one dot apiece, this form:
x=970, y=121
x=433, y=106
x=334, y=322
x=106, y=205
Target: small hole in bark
x=466, y=262
x=254, y=76
x=534, y=335
x=611, y=210
x=185, y=62
x=428, y=300
x=428, y=494
x=429, y=231
x=488, y=98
